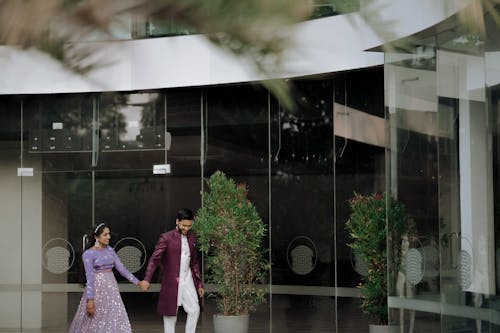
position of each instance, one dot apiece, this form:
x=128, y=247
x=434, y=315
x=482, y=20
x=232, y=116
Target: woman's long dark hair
x=90, y=241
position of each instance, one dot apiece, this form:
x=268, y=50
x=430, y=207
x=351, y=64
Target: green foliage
x=230, y=233
x=369, y=234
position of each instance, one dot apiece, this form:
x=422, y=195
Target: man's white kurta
x=186, y=290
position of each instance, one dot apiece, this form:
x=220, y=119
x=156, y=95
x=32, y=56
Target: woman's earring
x=96, y=243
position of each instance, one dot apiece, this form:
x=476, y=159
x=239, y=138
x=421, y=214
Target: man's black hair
x=185, y=214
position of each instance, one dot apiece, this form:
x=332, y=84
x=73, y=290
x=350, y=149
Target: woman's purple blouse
x=96, y=261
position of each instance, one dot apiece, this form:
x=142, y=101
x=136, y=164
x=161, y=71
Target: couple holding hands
x=101, y=308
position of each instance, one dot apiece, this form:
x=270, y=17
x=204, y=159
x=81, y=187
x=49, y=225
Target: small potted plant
x=368, y=228
x=230, y=234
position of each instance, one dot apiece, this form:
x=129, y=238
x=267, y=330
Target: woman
x=101, y=308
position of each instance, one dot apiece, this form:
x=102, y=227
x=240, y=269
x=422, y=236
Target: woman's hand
x=90, y=307
x=201, y=292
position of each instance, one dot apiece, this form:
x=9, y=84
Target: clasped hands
x=144, y=285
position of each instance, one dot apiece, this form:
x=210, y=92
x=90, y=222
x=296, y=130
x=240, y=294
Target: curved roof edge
x=326, y=45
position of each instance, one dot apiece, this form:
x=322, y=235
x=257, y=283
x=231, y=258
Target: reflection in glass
x=302, y=167
x=442, y=114
x=130, y=122
x=11, y=236
x=57, y=131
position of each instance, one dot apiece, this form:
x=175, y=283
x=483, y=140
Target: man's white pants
x=190, y=304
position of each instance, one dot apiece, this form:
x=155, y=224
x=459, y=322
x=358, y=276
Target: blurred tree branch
x=251, y=28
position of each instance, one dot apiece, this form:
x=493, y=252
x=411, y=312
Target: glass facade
x=424, y=128
x=442, y=111
x=87, y=158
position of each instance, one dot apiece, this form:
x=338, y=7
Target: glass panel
x=57, y=131
x=131, y=122
x=184, y=125
x=359, y=168
x=66, y=218
x=411, y=101
x=56, y=205
x=492, y=79
x=57, y=209
x=139, y=206
x=443, y=135
x=236, y=129
x=10, y=206
x=468, y=264
x=64, y=197
x=302, y=247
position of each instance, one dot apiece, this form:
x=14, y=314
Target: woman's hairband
x=97, y=228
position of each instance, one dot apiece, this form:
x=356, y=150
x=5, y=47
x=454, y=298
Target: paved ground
x=299, y=314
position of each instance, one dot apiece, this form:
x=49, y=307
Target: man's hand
x=90, y=307
x=201, y=292
x=144, y=285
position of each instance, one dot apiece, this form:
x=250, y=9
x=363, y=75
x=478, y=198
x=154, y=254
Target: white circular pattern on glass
x=464, y=270
x=414, y=263
x=301, y=255
x=132, y=253
x=58, y=256
x=130, y=256
x=359, y=265
x=302, y=259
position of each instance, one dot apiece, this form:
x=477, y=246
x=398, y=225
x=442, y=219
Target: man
x=181, y=283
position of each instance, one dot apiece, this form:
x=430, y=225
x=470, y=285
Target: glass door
x=137, y=202
x=139, y=206
x=10, y=206
x=442, y=122
x=56, y=205
x=88, y=159
x=466, y=183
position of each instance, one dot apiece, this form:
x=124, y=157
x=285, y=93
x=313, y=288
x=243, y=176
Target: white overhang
x=318, y=46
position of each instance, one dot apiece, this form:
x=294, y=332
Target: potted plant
x=368, y=228
x=230, y=234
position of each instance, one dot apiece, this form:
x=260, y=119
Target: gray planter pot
x=233, y=324
x=384, y=329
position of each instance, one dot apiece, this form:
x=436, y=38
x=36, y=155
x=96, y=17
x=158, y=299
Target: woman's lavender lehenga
x=110, y=314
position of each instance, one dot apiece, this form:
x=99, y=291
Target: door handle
x=84, y=242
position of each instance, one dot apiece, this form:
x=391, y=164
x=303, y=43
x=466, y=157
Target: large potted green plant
x=230, y=234
x=377, y=220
